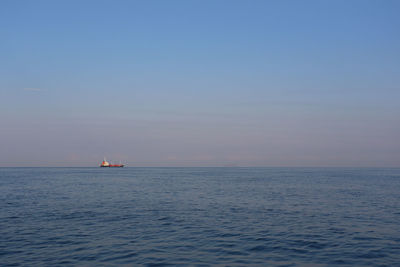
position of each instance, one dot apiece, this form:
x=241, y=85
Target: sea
x=199, y=216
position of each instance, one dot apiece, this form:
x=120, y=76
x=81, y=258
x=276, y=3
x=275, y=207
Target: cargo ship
x=105, y=163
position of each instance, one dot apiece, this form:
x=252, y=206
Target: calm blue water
x=199, y=217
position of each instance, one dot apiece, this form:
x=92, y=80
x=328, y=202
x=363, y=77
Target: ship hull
x=112, y=166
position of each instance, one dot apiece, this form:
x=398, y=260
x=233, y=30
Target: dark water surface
x=199, y=217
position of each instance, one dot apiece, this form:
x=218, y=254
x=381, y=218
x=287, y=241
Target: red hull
x=113, y=165
x=117, y=165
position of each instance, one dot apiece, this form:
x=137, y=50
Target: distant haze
x=200, y=83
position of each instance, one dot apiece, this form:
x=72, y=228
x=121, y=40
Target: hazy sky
x=200, y=83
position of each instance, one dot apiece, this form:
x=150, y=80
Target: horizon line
x=374, y=167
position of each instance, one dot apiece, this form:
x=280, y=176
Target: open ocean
x=199, y=217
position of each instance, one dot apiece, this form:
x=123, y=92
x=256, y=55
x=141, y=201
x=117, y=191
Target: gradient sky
x=200, y=83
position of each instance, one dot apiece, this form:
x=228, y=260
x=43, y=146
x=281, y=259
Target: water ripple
x=199, y=217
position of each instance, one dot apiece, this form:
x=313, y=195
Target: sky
x=200, y=83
